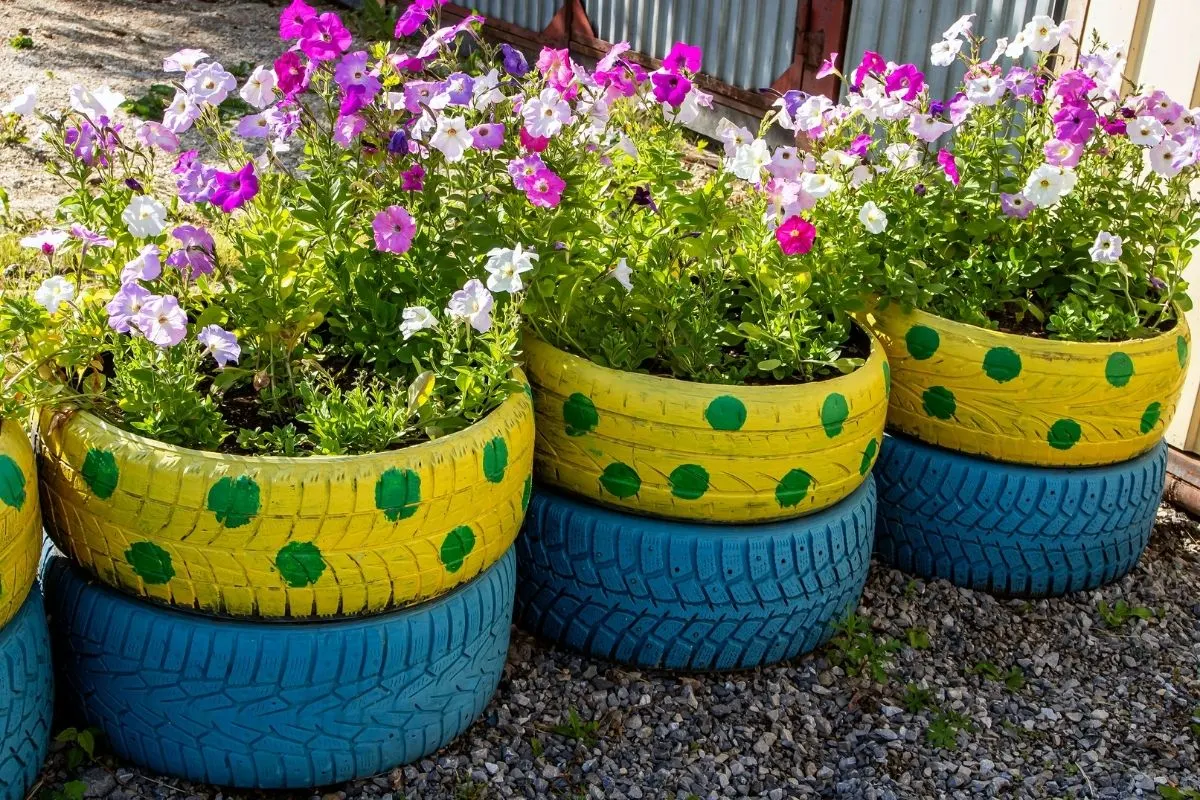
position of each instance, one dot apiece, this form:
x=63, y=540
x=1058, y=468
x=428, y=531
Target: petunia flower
x=623, y=274
x=472, y=303
x=452, y=138
x=394, y=230
x=1062, y=153
x=795, y=236
x=292, y=20
x=259, y=88
x=961, y=27
x=291, y=74
x=324, y=37
x=125, y=305
x=1163, y=158
x=1048, y=184
x=904, y=82
x=147, y=266
x=196, y=251
x=181, y=114
x=819, y=185
x=828, y=66
x=749, y=161
x=22, y=104
x=54, y=293
x=413, y=179
x=1075, y=123
x=155, y=134
x=1106, y=249
x=488, y=136
x=161, y=320
x=94, y=105
x=786, y=163
x=1015, y=205
x=144, y=217
x=235, y=189
x=531, y=143
x=943, y=53
x=90, y=238
x=505, y=267
x=415, y=319
x=946, y=159
x=219, y=343
x=545, y=189
x=209, y=83
x=927, y=128
x=683, y=56
x=48, y=241
x=1145, y=131
x=184, y=60
x=986, y=90
x=254, y=126
x=871, y=62
x=689, y=110
x=670, y=88
x=546, y=114
x=872, y=218
x=557, y=68
x=513, y=61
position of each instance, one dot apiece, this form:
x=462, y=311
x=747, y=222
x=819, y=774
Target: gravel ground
x=980, y=698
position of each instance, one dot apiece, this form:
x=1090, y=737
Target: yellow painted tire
x=320, y=536
x=1026, y=400
x=20, y=522
x=681, y=450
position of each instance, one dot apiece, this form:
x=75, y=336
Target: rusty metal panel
x=533, y=15
x=903, y=30
x=747, y=43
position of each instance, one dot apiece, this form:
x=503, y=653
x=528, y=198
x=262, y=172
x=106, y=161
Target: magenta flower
x=196, y=251
x=557, y=68
x=795, y=236
x=1015, y=205
x=523, y=170
x=394, y=230
x=347, y=129
x=946, y=159
x=860, y=145
x=1114, y=126
x=219, y=343
x=235, y=189
x=354, y=99
x=683, y=56
x=89, y=238
x=291, y=21
x=291, y=74
x=488, y=136
x=1073, y=87
x=416, y=15
x=545, y=189
x=161, y=320
x=324, y=38
x=413, y=179
x=871, y=62
x=828, y=66
x=904, y=82
x=534, y=144
x=1075, y=123
x=126, y=304
x=670, y=88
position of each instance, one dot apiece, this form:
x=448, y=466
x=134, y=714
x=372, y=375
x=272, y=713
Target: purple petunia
x=513, y=61
x=161, y=320
x=946, y=159
x=683, y=56
x=324, y=38
x=196, y=251
x=394, y=229
x=219, y=343
x=235, y=189
x=1015, y=205
x=292, y=20
x=488, y=136
x=670, y=88
x=522, y=170
x=1075, y=123
x=413, y=179
x=126, y=304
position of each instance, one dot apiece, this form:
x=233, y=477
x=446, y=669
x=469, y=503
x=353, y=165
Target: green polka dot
x=526, y=494
x=868, y=457
x=1064, y=434
x=1002, y=364
x=398, y=493
x=689, y=481
x=1181, y=349
x=150, y=562
x=1150, y=417
x=234, y=500
x=300, y=564
x=887, y=378
x=1118, y=370
x=12, y=483
x=726, y=413
x=456, y=547
x=834, y=412
x=495, y=459
x=938, y=401
x=792, y=488
x=922, y=342
x=100, y=472
x=580, y=415
x=621, y=480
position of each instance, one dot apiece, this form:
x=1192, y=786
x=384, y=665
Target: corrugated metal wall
x=532, y=15
x=903, y=30
x=747, y=43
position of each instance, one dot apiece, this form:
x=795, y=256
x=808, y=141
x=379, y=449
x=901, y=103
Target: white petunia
x=54, y=292
x=415, y=319
x=1106, y=249
x=472, y=303
x=505, y=266
x=1048, y=184
x=184, y=61
x=902, y=156
x=819, y=185
x=927, y=128
x=960, y=28
x=943, y=53
x=986, y=90
x=689, y=109
x=259, y=89
x=1162, y=158
x=144, y=217
x=872, y=217
x=1145, y=131
x=1042, y=34
x=452, y=138
x=95, y=104
x=750, y=160
x=23, y=103
x=623, y=275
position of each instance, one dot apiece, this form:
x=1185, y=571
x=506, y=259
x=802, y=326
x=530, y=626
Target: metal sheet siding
x=903, y=30
x=533, y=15
x=747, y=43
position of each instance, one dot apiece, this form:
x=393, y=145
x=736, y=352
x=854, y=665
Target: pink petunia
x=545, y=189
x=795, y=236
x=394, y=229
x=946, y=159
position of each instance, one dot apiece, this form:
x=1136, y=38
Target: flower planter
x=1025, y=400
x=262, y=705
x=20, y=522
x=286, y=537
x=26, y=697
x=683, y=450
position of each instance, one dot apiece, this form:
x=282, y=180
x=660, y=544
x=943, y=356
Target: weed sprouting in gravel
x=944, y=729
x=1120, y=612
x=916, y=698
x=918, y=638
x=577, y=729
x=859, y=651
x=22, y=41
x=1178, y=793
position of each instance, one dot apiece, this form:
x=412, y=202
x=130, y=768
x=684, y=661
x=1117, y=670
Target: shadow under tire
x=281, y=704
x=1011, y=529
x=26, y=698
x=686, y=596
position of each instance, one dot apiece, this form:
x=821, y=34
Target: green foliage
x=71, y=790
x=158, y=394
x=856, y=648
x=576, y=729
x=22, y=41
x=367, y=418
x=80, y=746
x=1120, y=612
x=1178, y=793
x=918, y=638
x=1013, y=678
x=944, y=728
x=916, y=698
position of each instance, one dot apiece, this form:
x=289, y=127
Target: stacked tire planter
x=282, y=622
x=690, y=526
x=26, y=677
x=1021, y=466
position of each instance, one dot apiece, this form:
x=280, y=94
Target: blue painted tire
x=281, y=705
x=26, y=698
x=685, y=596
x=1011, y=529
